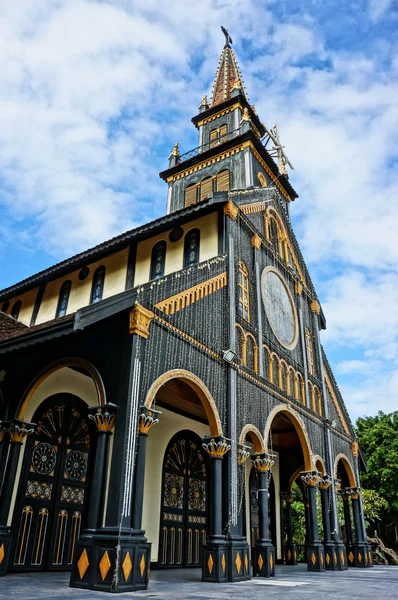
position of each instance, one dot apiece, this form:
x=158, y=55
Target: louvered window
x=206, y=188
x=223, y=133
x=191, y=195
x=223, y=181
x=213, y=138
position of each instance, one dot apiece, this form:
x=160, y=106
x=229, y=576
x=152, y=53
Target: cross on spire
x=228, y=39
x=227, y=75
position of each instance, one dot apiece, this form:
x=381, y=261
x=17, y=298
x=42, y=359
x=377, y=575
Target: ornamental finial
x=175, y=151
x=228, y=40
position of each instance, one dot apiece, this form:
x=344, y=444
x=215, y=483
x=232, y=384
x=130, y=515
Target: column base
x=290, y=554
x=238, y=560
x=315, y=557
x=215, y=566
x=263, y=561
x=108, y=562
x=358, y=556
x=5, y=549
x=335, y=556
x=369, y=555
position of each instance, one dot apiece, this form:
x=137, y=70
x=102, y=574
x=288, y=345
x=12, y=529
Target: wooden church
x=164, y=395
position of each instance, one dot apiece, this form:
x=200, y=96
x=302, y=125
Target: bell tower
x=231, y=154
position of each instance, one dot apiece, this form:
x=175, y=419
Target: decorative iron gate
x=183, y=518
x=52, y=493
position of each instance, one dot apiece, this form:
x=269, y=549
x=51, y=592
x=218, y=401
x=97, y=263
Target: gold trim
x=210, y=563
x=146, y=421
x=18, y=432
x=104, y=420
x=260, y=561
x=257, y=438
x=355, y=448
x=298, y=288
x=140, y=320
x=221, y=113
x=238, y=563
x=263, y=462
x=294, y=341
x=246, y=115
x=231, y=210
x=350, y=471
x=198, y=386
x=188, y=337
x=336, y=403
x=283, y=240
x=175, y=151
x=2, y=553
x=216, y=447
x=142, y=565
x=253, y=207
x=256, y=241
x=179, y=301
x=300, y=429
x=206, y=163
x=223, y=563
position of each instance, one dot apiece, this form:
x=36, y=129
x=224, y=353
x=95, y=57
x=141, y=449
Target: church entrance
x=53, y=490
x=183, y=516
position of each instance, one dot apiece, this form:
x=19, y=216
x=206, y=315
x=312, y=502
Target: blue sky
x=94, y=94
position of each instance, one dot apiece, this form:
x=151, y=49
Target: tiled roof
x=10, y=327
x=227, y=77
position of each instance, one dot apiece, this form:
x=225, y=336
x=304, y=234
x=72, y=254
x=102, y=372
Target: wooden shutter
x=213, y=138
x=206, y=188
x=223, y=132
x=223, y=181
x=190, y=195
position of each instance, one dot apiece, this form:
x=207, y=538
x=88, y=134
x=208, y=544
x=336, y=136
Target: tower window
x=213, y=138
x=206, y=188
x=243, y=285
x=158, y=260
x=191, y=194
x=218, y=136
x=63, y=299
x=223, y=181
x=98, y=284
x=310, y=352
x=191, y=248
x=16, y=309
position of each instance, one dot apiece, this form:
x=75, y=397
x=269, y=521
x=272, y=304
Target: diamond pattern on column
x=238, y=563
x=246, y=562
x=359, y=557
x=342, y=558
x=351, y=557
x=2, y=553
x=327, y=558
x=142, y=565
x=210, y=563
x=83, y=564
x=321, y=557
x=289, y=555
x=313, y=558
x=260, y=561
x=104, y=565
x=223, y=563
x=271, y=562
x=127, y=566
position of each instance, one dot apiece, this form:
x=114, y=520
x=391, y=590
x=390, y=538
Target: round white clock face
x=279, y=307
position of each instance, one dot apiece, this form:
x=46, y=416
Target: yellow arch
x=284, y=240
x=52, y=368
x=300, y=429
x=348, y=468
x=255, y=350
x=319, y=462
x=198, y=386
x=256, y=437
x=294, y=476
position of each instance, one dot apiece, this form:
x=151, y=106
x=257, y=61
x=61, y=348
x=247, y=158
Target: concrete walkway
x=296, y=583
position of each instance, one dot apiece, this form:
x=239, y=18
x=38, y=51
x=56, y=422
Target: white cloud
x=377, y=8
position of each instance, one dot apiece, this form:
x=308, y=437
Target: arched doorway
x=183, y=516
x=53, y=489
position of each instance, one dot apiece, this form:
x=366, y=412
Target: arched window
x=16, y=309
x=251, y=353
x=310, y=352
x=191, y=248
x=244, y=298
x=223, y=132
x=158, y=260
x=98, y=284
x=63, y=299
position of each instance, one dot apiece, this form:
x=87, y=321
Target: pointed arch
x=276, y=368
x=80, y=363
x=198, y=386
x=269, y=354
x=319, y=464
x=300, y=388
x=251, y=337
x=283, y=375
x=290, y=381
x=241, y=347
x=348, y=469
x=300, y=430
x=254, y=435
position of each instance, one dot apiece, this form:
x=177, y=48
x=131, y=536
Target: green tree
x=378, y=438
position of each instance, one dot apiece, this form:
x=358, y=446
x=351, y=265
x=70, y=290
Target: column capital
x=325, y=482
x=148, y=417
x=231, y=210
x=354, y=492
x=298, y=288
x=316, y=307
x=104, y=417
x=18, y=430
x=243, y=453
x=216, y=447
x=288, y=496
x=140, y=320
x=337, y=484
x=256, y=241
x=310, y=478
x=262, y=462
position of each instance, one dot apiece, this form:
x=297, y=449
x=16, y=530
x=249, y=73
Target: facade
x=162, y=393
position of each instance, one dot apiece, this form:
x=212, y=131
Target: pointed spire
x=228, y=80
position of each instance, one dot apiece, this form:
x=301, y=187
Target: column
x=147, y=419
x=331, y=558
x=104, y=418
x=345, y=495
x=116, y=558
x=17, y=432
x=368, y=549
x=290, y=546
x=264, y=552
x=3, y=449
x=214, y=568
x=315, y=553
x=359, y=547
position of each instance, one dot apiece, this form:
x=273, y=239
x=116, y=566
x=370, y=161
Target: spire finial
x=228, y=40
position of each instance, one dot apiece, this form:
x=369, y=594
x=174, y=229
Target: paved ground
x=294, y=583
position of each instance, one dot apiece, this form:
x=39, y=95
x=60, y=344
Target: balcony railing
x=211, y=144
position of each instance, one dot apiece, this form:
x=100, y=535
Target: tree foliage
x=378, y=438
